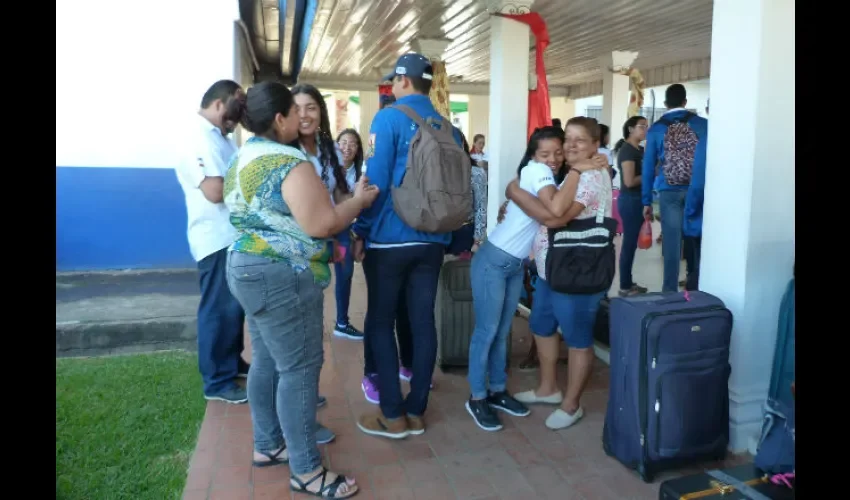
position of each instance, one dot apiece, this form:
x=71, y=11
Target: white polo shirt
x=516, y=232
x=208, y=154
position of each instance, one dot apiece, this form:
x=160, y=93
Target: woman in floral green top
x=277, y=270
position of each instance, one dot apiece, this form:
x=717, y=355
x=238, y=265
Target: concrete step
x=125, y=311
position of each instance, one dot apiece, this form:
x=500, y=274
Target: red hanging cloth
x=539, y=106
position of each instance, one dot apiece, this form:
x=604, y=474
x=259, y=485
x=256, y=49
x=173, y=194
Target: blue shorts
x=575, y=314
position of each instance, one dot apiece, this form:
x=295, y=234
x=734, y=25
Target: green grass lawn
x=126, y=426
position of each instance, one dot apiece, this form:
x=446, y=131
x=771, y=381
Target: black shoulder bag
x=581, y=256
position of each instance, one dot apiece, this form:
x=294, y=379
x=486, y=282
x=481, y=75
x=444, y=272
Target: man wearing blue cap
x=399, y=259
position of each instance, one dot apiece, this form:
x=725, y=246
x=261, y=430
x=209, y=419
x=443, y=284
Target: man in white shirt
x=201, y=175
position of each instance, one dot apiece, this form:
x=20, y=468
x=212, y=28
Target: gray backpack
x=435, y=195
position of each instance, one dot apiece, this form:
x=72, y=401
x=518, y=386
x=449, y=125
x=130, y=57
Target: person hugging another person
x=497, y=275
x=589, y=191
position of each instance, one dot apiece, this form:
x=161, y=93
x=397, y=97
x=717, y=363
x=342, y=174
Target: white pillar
x=369, y=103
x=748, y=226
x=563, y=108
x=330, y=103
x=506, y=139
x=479, y=116
x=615, y=91
x=341, y=103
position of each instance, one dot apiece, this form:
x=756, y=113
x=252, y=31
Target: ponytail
x=618, y=146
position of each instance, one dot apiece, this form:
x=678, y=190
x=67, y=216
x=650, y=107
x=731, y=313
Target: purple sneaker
x=370, y=388
x=406, y=374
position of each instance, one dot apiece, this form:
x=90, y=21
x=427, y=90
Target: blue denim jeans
x=574, y=313
x=220, y=323
x=496, y=287
x=672, y=205
x=413, y=271
x=343, y=274
x=402, y=334
x=284, y=310
x=631, y=212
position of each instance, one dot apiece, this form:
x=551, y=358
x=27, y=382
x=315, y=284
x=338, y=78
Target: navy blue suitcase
x=668, y=405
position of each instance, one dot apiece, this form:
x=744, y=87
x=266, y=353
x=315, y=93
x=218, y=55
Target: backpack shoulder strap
x=445, y=126
x=413, y=115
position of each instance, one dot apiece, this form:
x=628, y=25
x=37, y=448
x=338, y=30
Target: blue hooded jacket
x=386, y=163
x=653, y=155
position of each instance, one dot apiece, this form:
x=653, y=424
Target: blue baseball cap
x=412, y=65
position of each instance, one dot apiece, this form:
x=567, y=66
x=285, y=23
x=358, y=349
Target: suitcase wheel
x=644, y=474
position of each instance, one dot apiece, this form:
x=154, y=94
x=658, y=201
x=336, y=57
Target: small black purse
x=581, y=256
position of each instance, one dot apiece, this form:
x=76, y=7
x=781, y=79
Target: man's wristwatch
x=354, y=236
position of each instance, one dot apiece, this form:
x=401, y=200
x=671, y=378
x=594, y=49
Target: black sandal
x=325, y=490
x=272, y=458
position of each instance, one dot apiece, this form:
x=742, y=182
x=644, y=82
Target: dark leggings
x=631, y=212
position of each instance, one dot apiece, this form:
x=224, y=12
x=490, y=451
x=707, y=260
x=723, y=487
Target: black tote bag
x=581, y=256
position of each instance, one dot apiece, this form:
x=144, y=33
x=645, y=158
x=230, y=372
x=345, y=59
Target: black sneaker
x=483, y=415
x=348, y=332
x=506, y=403
x=233, y=395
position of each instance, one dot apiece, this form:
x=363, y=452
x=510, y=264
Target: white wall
x=129, y=77
x=697, y=93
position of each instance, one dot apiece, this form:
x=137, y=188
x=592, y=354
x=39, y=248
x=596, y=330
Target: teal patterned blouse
x=252, y=193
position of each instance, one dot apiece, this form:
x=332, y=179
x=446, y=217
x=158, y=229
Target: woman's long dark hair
x=604, y=130
x=358, y=157
x=541, y=134
x=630, y=123
x=324, y=142
x=466, y=146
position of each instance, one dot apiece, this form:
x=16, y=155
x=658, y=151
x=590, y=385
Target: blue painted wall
x=120, y=218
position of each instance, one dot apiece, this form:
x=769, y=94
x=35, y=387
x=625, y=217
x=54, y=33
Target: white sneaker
x=531, y=397
x=559, y=419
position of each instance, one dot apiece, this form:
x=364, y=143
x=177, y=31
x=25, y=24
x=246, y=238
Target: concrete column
x=748, y=226
x=506, y=140
x=479, y=116
x=341, y=105
x=569, y=110
x=330, y=102
x=615, y=91
x=563, y=108
x=368, y=109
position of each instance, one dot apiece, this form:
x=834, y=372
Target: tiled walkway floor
x=454, y=459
